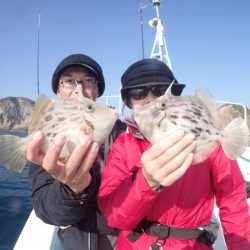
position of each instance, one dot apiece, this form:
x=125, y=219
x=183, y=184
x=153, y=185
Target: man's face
x=73, y=76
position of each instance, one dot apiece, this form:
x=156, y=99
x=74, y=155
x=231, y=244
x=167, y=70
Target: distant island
x=15, y=113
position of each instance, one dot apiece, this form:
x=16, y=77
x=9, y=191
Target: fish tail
x=235, y=138
x=13, y=152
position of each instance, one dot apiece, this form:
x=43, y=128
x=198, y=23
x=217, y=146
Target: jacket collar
x=133, y=128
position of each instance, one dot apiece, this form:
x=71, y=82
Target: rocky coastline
x=15, y=113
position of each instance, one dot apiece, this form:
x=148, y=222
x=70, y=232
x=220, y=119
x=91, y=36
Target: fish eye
x=90, y=108
x=162, y=105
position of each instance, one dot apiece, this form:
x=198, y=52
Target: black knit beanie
x=79, y=60
x=149, y=72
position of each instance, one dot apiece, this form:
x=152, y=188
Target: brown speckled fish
x=196, y=114
x=73, y=117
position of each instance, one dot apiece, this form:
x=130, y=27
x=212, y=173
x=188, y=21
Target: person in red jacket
x=155, y=195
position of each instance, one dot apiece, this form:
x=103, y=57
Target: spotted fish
x=196, y=114
x=74, y=118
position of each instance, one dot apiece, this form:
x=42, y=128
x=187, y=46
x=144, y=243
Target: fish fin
x=168, y=91
x=13, y=152
x=204, y=95
x=42, y=102
x=235, y=138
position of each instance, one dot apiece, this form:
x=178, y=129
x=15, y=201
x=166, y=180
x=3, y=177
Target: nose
x=78, y=89
x=150, y=97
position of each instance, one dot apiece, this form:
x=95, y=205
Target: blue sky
x=208, y=42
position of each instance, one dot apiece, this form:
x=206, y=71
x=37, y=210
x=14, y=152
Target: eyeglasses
x=71, y=83
x=142, y=92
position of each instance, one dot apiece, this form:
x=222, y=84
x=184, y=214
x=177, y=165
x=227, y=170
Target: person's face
x=73, y=76
x=143, y=95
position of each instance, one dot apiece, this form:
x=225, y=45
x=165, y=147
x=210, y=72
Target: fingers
x=169, y=160
x=75, y=172
x=163, y=145
x=89, y=158
x=178, y=152
x=82, y=176
x=175, y=169
x=34, y=153
x=50, y=162
x=83, y=156
x=77, y=155
x=77, y=176
x=178, y=173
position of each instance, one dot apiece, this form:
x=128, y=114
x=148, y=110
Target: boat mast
x=38, y=50
x=141, y=21
x=159, y=50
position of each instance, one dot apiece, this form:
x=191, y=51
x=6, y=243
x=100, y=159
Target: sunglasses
x=142, y=92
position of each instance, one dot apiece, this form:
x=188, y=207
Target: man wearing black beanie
x=64, y=194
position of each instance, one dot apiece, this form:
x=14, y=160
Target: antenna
x=141, y=20
x=142, y=39
x=159, y=50
x=38, y=50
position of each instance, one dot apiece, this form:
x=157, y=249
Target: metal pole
x=38, y=50
x=141, y=20
x=142, y=38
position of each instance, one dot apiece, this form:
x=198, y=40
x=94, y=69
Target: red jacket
x=188, y=203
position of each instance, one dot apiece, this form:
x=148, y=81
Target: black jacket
x=81, y=224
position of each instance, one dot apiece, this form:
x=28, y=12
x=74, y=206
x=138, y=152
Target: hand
x=34, y=153
x=167, y=160
x=75, y=172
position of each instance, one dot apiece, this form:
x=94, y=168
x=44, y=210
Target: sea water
x=15, y=203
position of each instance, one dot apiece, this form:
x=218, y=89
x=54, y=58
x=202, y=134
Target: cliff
x=15, y=113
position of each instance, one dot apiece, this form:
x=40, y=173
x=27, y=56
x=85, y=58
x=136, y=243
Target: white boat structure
x=41, y=236
x=37, y=235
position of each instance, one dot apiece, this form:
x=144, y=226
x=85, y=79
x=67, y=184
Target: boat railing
x=114, y=101
x=243, y=106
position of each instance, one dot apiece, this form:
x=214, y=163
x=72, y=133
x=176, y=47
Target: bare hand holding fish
x=75, y=172
x=167, y=160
